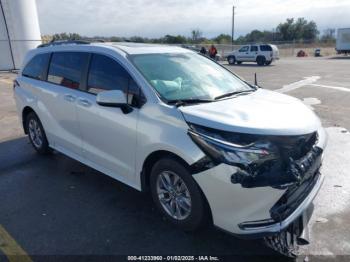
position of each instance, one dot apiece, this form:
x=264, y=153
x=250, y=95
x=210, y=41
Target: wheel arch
x=25, y=112
x=149, y=163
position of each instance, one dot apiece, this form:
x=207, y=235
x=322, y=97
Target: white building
x=19, y=31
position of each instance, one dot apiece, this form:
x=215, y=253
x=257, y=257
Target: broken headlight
x=223, y=151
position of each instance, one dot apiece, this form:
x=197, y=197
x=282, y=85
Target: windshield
x=187, y=76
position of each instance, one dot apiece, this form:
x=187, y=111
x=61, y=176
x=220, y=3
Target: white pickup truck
x=343, y=41
x=262, y=54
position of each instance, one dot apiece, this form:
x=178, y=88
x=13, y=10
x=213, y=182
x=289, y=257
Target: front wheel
x=177, y=196
x=231, y=60
x=268, y=62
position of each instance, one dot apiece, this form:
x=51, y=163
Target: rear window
x=36, y=68
x=265, y=48
x=66, y=68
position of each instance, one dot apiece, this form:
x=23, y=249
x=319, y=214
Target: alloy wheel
x=174, y=195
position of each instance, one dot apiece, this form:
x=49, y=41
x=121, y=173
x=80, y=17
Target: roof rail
x=64, y=42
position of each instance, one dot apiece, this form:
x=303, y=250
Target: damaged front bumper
x=263, y=210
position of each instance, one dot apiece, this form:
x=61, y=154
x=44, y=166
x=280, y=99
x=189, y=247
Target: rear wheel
x=177, y=195
x=268, y=62
x=260, y=60
x=231, y=60
x=37, y=134
x=239, y=62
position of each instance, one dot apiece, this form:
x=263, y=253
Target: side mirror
x=114, y=98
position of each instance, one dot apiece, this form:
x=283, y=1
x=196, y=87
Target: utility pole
x=233, y=24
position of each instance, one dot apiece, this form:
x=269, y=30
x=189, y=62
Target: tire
x=239, y=62
x=190, y=210
x=261, y=60
x=268, y=63
x=231, y=60
x=36, y=134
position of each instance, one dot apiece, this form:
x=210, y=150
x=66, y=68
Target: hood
x=262, y=112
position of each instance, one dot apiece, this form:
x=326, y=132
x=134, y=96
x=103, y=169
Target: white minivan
x=209, y=146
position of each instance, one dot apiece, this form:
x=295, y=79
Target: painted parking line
x=340, y=88
x=306, y=81
x=11, y=249
x=309, y=81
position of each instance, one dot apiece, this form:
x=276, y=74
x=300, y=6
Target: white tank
x=19, y=31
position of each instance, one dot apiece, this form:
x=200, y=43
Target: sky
x=156, y=18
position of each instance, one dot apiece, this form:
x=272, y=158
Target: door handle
x=69, y=98
x=84, y=102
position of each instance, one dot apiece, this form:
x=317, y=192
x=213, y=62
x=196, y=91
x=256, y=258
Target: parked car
x=207, y=145
x=262, y=54
x=317, y=52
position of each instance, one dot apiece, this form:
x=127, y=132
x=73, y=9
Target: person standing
x=203, y=50
x=213, y=52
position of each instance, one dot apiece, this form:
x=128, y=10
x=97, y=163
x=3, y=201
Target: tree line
x=297, y=30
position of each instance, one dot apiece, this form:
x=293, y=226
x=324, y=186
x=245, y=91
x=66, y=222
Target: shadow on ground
x=53, y=205
x=340, y=57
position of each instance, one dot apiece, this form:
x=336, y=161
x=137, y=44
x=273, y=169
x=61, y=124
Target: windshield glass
x=186, y=76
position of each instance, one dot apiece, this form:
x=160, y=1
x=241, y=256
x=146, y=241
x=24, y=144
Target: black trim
x=126, y=108
x=64, y=42
x=46, y=70
x=201, y=165
x=8, y=36
x=85, y=74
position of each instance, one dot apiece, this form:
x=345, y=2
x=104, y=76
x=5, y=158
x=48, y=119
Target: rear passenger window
x=265, y=48
x=253, y=48
x=66, y=68
x=36, y=68
x=106, y=74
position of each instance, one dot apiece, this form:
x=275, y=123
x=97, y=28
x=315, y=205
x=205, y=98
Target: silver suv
x=262, y=54
x=209, y=146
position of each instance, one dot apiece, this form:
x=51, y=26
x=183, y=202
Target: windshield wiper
x=234, y=93
x=183, y=102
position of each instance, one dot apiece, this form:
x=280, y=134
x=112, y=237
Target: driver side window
x=106, y=74
x=244, y=49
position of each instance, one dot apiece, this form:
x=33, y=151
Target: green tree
x=300, y=29
x=66, y=36
x=328, y=35
x=222, y=39
x=196, y=35
x=171, y=39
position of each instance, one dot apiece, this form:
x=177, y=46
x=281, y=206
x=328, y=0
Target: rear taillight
x=271, y=54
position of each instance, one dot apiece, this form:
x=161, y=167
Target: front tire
x=231, y=60
x=36, y=134
x=268, y=62
x=177, y=195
